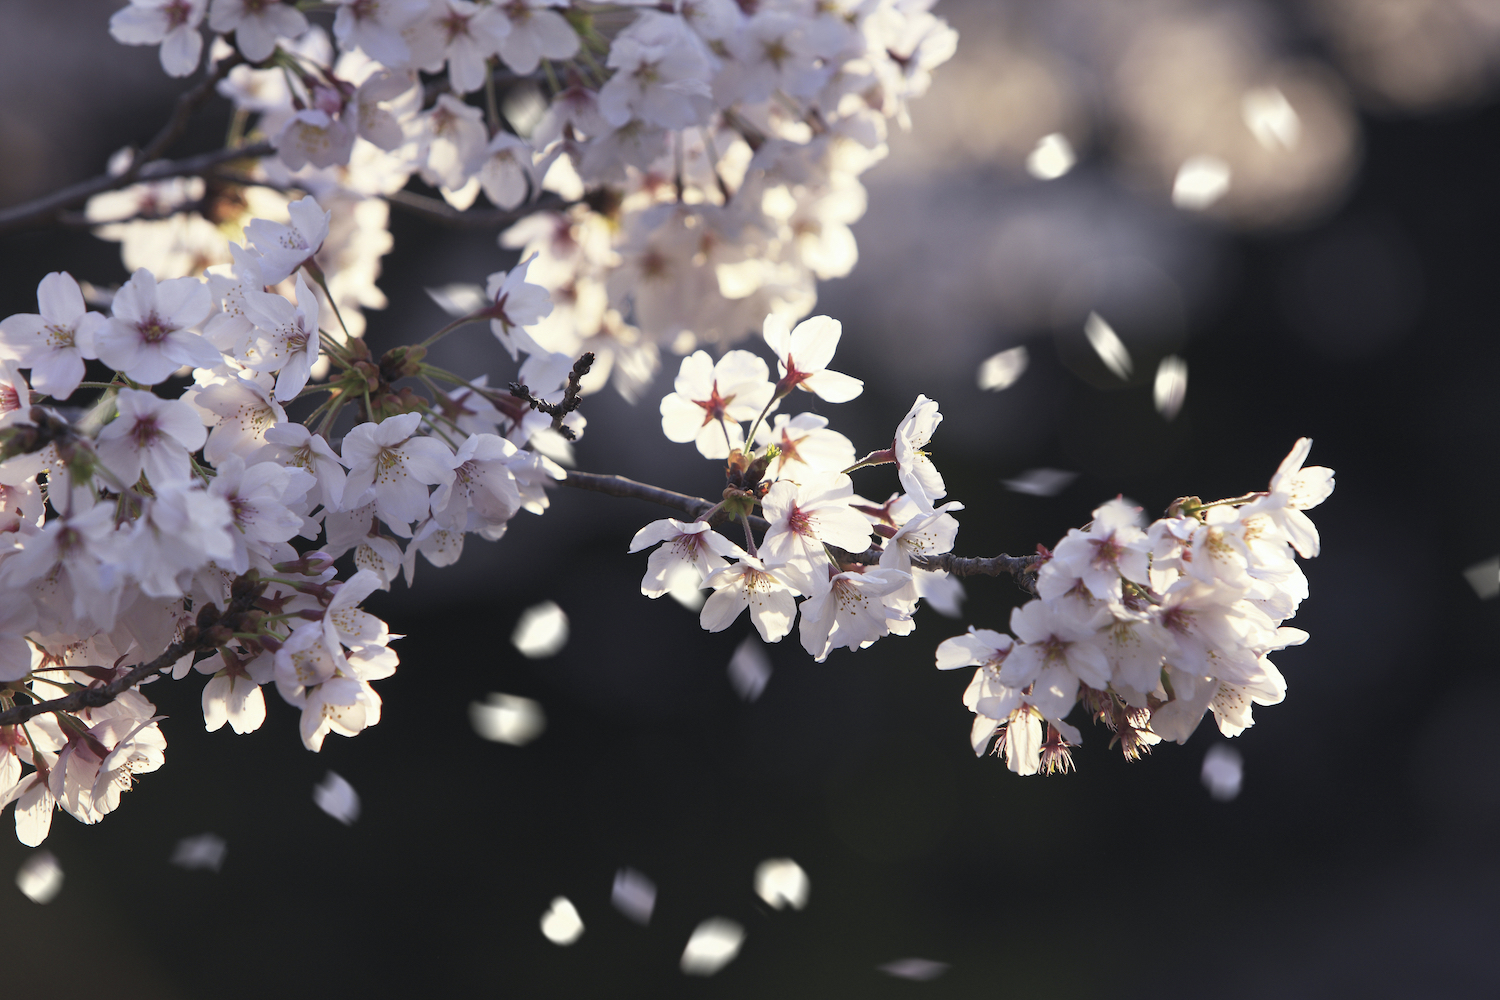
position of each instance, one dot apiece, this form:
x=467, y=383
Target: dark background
x=1359, y=857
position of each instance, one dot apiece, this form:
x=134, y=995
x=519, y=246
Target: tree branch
x=439, y=211
x=211, y=631
x=187, y=102
x=41, y=211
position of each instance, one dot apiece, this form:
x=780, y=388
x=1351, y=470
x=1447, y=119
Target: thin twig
x=1023, y=568
x=187, y=102
x=619, y=486
x=570, y=400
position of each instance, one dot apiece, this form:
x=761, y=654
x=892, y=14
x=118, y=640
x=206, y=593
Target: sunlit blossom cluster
x=145, y=510
x=1148, y=629
x=817, y=534
x=705, y=153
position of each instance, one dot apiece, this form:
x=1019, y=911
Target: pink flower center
x=145, y=433
x=178, y=12
x=153, y=330
x=715, y=405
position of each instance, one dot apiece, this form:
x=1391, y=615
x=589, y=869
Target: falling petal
x=685, y=586
x=1000, y=371
x=337, y=798
x=1171, y=385
x=458, y=300
x=1223, y=773
x=634, y=895
x=714, y=944
x=561, y=924
x=1052, y=157
x=507, y=718
x=204, y=852
x=542, y=631
x=1040, y=482
x=1201, y=181
x=40, y=878
x=781, y=882
x=1485, y=578
x=919, y=969
x=749, y=668
x=1271, y=118
x=1108, y=345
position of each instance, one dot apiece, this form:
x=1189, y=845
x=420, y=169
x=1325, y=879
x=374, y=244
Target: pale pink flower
x=805, y=446
x=751, y=584
x=710, y=400
x=284, y=248
x=536, y=33
x=919, y=477
x=286, y=337
x=390, y=464
x=516, y=304
x=803, y=354
x=804, y=518
x=173, y=24
x=375, y=26
x=851, y=612
x=684, y=548
x=55, y=342
x=151, y=435
x=148, y=335
x=256, y=24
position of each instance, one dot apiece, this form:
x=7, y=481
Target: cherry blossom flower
x=260, y=498
x=286, y=337
x=1113, y=546
x=1293, y=490
x=507, y=174
x=805, y=518
x=376, y=26
x=517, y=305
x=851, y=613
x=711, y=399
x=750, y=583
x=55, y=342
x=462, y=33
x=148, y=335
x=308, y=451
x=482, y=494
x=920, y=478
x=256, y=24
x=151, y=435
x=313, y=136
x=804, y=445
x=284, y=248
x=372, y=121
x=661, y=75
x=686, y=549
x=173, y=24
x=1057, y=653
x=242, y=413
x=389, y=464
x=536, y=33
x=802, y=357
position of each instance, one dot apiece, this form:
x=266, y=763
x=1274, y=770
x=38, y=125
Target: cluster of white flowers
x=818, y=532
x=164, y=499
x=1149, y=629
x=706, y=152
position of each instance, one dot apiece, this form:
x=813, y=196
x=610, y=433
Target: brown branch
x=1023, y=568
x=187, y=102
x=619, y=486
x=439, y=211
x=41, y=210
x=211, y=631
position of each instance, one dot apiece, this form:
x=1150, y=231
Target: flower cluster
x=1149, y=629
x=125, y=530
x=706, y=152
x=818, y=533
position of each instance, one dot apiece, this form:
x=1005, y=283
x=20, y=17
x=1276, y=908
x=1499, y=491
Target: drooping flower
x=920, y=478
